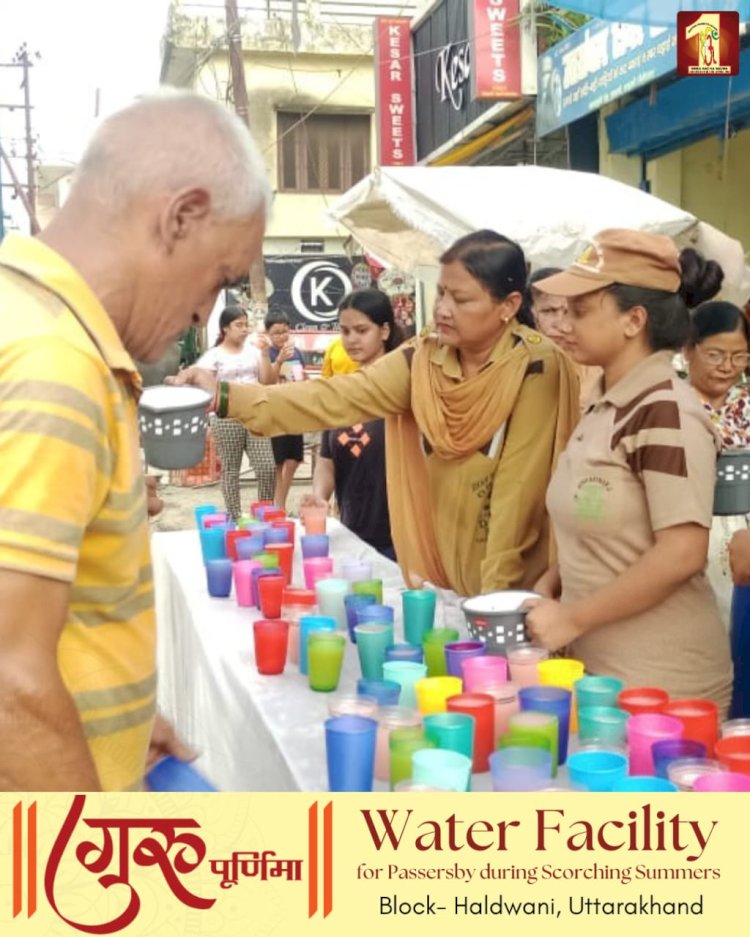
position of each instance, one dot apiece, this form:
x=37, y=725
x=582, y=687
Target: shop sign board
x=309, y=289
x=394, y=106
x=496, y=36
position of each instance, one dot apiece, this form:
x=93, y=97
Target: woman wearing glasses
x=717, y=356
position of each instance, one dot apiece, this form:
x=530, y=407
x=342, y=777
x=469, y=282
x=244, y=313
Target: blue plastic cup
x=247, y=547
x=441, y=767
x=410, y=652
x=518, y=768
x=212, y=543
x=350, y=752
x=171, y=774
x=276, y=535
x=386, y=692
x=644, y=783
x=379, y=614
x=666, y=751
x=555, y=700
x=372, y=640
x=308, y=623
x=405, y=672
x=219, y=578
x=597, y=771
x=351, y=604
x=314, y=545
x=419, y=613
x=201, y=510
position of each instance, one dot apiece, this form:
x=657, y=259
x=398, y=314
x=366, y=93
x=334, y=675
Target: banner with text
x=393, y=91
x=495, y=35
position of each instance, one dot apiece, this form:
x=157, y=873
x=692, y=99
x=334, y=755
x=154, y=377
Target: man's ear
x=183, y=211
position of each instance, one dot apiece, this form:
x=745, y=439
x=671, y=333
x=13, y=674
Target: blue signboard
x=597, y=64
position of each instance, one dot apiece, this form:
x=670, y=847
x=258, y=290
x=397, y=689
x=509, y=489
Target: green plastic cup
x=369, y=587
x=454, y=731
x=597, y=691
x=372, y=640
x=535, y=730
x=325, y=655
x=267, y=560
x=434, y=650
x=441, y=768
x=419, y=613
x=402, y=743
x=603, y=724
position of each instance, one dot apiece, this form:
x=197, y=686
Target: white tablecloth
x=254, y=733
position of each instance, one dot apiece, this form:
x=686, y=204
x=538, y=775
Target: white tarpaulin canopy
x=406, y=217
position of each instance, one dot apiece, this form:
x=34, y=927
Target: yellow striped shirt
x=72, y=495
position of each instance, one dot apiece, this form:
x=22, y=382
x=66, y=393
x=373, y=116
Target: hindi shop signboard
x=309, y=289
x=393, y=86
x=597, y=64
x=496, y=36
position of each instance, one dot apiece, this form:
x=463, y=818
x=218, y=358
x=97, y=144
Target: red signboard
x=393, y=78
x=495, y=37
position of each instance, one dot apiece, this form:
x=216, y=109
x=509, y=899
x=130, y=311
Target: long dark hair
x=377, y=307
x=668, y=324
x=227, y=317
x=716, y=318
x=497, y=263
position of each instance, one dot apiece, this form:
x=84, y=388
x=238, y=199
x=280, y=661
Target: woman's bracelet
x=221, y=401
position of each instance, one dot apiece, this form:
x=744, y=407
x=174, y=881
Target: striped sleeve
x=54, y=454
x=668, y=443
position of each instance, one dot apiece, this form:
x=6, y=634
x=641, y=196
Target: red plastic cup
x=271, y=638
x=642, y=700
x=700, y=718
x=285, y=553
x=270, y=592
x=260, y=504
x=275, y=515
x=482, y=707
x=289, y=526
x=230, y=539
x=733, y=753
x=213, y=520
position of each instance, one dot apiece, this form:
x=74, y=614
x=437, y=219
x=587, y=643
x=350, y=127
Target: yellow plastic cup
x=562, y=672
x=433, y=693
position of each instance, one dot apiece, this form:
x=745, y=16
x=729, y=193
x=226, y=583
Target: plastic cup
x=289, y=526
x=217, y=519
x=369, y=587
x=603, y=723
x=419, y=613
x=294, y=604
x=352, y=603
x=276, y=535
x=307, y=624
x=270, y=515
x=700, y=718
x=733, y=754
x=255, y=575
x=458, y=651
x=731, y=782
x=668, y=750
x=350, y=752
x=410, y=652
x=390, y=718
x=479, y=671
x=246, y=547
x=432, y=693
x=555, y=700
x=402, y=743
x=684, y=772
x=481, y=707
x=563, y=672
x=172, y=774
x=405, y=673
x=314, y=545
x=257, y=505
x=642, y=700
x=597, y=691
x=259, y=529
x=505, y=698
x=245, y=521
x=442, y=768
x=372, y=640
x=200, y=512
x=230, y=541
x=242, y=572
x=523, y=661
x=270, y=592
x=381, y=614
x=317, y=567
x=314, y=518
x=434, y=650
x=267, y=560
x=533, y=729
x=735, y=727
x=270, y=645
x=285, y=554
x=213, y=546
x=386, y=692
x=354, y=570
x=351, y=704
x=520, y=769
x=642, y=731
x=219, y=578
x=408, y=787
x=330, y=594
x=451, y=730
x=644, y=783
x=598, y=770
x=325, y=655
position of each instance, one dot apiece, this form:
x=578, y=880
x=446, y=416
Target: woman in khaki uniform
x=475, y=417
x=631, y=498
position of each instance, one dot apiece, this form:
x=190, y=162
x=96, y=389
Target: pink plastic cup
x=317, y=567
x=242, y=571
x=480, y=671
x=731, y=782
x=642, y=731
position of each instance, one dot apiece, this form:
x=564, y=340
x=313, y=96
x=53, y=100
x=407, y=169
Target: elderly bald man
x=168, y=206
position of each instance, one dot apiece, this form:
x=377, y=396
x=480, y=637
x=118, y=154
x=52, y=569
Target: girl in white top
x=233, y=358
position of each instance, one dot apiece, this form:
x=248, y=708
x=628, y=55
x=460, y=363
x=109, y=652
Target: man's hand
x=164, y=741
x=311, y=501
x=154, y=504
x=195, y=377
x=739, y=557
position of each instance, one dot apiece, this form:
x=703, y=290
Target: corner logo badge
x=708, y=43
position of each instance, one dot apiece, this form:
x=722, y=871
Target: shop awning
x=653, y=12
x=682, y=113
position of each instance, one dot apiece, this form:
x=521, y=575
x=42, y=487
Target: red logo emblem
x=708, y=43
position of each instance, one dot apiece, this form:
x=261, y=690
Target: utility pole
x=241, y=107
x=28, y=198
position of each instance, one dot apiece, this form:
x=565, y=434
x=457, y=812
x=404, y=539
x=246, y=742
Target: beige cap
x=619, y=255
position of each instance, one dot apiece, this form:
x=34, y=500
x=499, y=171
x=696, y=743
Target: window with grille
x=323, y=152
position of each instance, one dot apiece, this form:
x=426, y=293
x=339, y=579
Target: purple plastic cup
x=352, y=603
x=456, y=652
x=666, y=751
x=314, y=545
x=219, y=578
x=247, y=547
x=555, y=700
